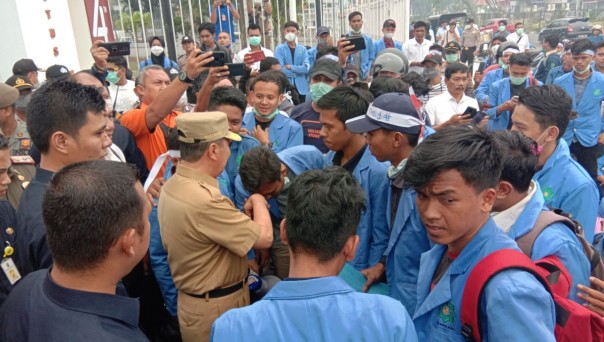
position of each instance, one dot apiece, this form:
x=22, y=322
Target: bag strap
x=480, y=275
x=544, y=220
x=519, y=38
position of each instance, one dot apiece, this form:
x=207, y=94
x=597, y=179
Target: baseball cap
x=172, y=73
x=389, y=23
x=452, y=47
x=186, y=39
x=391, y=111
x=8, y=95
x=204, y=127
x=322, y=29
x=57, y=72
x=434, y=58
x=25, y=66
x=388, y=62
x=352, y=68
x=325, y=66
x=20, y=82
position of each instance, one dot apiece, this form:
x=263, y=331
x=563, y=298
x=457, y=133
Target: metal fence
x=138, y=20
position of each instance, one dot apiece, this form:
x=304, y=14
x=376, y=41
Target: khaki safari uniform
x=207, y=240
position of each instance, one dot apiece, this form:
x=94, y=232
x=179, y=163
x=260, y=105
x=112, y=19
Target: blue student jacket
x=373, y=229
x=238, y=149
x=316, y=309
x=408, y=240
x=367, y=55
x=298, y=75
x=555, y=73
x=482, y=92
x=510, y=299
x=283, y=131
x=556, y=240
x=298, y=159
x=500, y=92
x=380, y=45
x=588, y=125
x=566, y=185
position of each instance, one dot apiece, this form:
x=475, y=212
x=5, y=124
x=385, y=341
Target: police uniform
x=21, y=173
x=205, y=236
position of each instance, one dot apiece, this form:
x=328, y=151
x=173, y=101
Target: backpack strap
x=480, y=275
x=544, y=220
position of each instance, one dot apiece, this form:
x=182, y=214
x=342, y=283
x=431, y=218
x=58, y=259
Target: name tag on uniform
x=22, y=160
x=10, y=270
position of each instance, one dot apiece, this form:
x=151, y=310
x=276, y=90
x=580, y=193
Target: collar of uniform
x=189, y=172
x=308, y=288
x=451, y=98
x=43, y=176
x=425, y=42
x=100, y=304
x=561, y=152
x=506, y=219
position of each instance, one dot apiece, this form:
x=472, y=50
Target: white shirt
x=442, y=107
x=114, y=153
x=126, y=98
x=238, y=58
x=506, y=219
x=416, y=52
x=522, y=41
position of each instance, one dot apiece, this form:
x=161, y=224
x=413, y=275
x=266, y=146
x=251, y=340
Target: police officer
x=206, y=237
x=21, y=172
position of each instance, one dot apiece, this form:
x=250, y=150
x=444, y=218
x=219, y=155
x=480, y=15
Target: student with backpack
x=519, y=209
x=454, y=173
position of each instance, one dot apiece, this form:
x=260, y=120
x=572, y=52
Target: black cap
x=452, y=47
x=186, y=39
x=327, y=67
x=434, y=58
x=172, y=73
x=322, y=29
x=389, y=23
x=20, y=82
x=25, y=66
x=57, y=72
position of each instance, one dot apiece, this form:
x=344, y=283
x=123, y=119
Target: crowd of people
x=328, y=193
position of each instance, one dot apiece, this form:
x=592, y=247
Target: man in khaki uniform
x=205, y=236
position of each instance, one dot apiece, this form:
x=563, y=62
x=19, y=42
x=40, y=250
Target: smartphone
x=358, y=42
x=477, y=118
x=219, y=59
x=236, y=69
x=117, y=48
x=257, y=56
x=470, y=110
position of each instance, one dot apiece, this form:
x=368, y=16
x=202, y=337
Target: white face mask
x=389, y=35
x=290, y=37
x=157, y=50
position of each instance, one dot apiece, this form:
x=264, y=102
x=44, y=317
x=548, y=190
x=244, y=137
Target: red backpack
x=574, y=322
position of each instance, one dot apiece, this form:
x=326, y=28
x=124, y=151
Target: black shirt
x=516, y=89
x=396, y=187
x=40, y=310
x=352, y=163
x=308, y=118
x=292, y=50
x=31, y=250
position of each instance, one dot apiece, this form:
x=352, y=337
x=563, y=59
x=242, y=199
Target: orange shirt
x=151, y=144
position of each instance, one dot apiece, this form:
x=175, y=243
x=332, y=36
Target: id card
x=10, y=270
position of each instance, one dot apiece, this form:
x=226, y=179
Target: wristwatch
x=183, y=77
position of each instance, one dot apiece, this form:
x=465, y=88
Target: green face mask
x=518, y=80
x=112, y=77
x=317, y=91
x=267, y=116
x=501, y=64
x=501, y=28
x=254, y=41
x=520, y=31
x=451, y=58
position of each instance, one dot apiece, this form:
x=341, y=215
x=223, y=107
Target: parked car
x=493, y=25
x=567, y=28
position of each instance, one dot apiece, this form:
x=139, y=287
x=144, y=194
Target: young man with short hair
x=96, y=235
x=543, y=114
x=324, y=77
x=418, y=48
x=503, y=94
x=293, y=58
x=393, y=128
x=266, y=122
x=447, y=108
x=66, y=123
x=454, y=173
x=599, y=58
x=120, y=88
x=584, y=87
x=551, y=58
x=564, y=68
x=364, y=58
x=388, y=29
x=520, y=203
x=521, y=39
x=324, y=210
x=255, y=40
x=499, y=71
x=350, y=151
